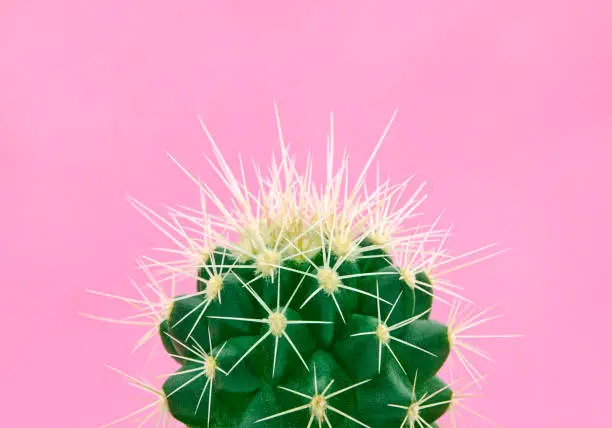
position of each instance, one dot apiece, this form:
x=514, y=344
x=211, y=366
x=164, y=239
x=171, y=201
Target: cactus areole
x=308, y=304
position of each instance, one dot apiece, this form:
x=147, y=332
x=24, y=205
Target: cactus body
x=255, y=349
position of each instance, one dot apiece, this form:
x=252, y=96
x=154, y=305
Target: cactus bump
x=303, y=304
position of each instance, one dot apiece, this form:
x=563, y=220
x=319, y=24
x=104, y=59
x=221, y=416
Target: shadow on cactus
x=308, y=306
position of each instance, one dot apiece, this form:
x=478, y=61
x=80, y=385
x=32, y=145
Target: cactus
x=305, y=307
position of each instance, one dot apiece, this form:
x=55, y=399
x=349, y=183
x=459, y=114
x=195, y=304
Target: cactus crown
x=310, y=307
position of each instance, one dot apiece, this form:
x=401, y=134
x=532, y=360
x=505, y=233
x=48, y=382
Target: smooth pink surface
x=505, y=110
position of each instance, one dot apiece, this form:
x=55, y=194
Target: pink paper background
x=505, y=110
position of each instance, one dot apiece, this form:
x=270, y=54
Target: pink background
x=505, y=110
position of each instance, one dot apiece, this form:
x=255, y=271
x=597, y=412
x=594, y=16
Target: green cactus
x=297, y=342
x=316, y=313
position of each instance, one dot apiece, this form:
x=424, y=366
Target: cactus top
x=309, y=305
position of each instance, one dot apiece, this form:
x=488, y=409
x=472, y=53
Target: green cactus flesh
x=328, y=341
